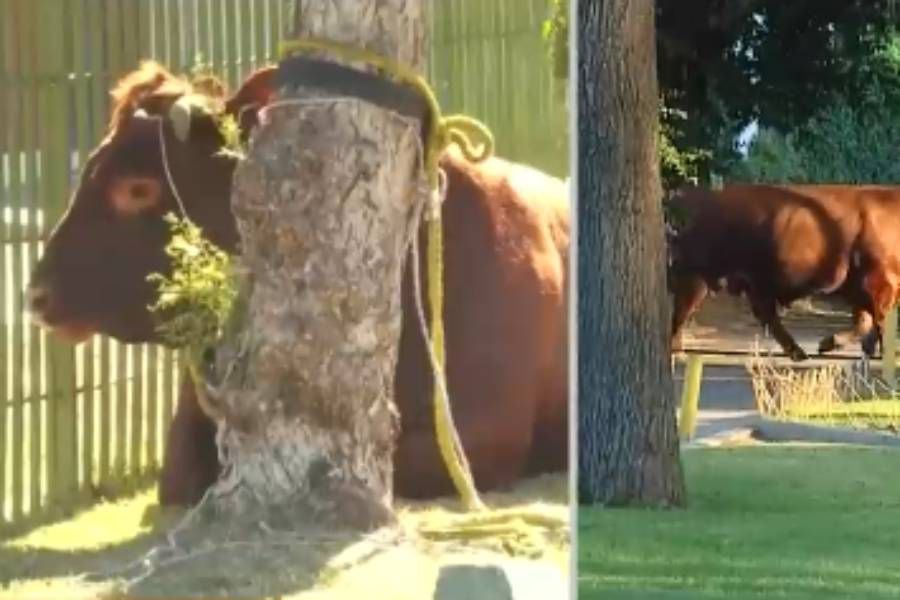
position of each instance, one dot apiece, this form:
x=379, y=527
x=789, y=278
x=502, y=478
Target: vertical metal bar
x=889, y=347
x=274, y=33
x=113, y=31
x=152, y=460
x=136, y=439
x=116, y=392
x=121, y=432
x=104, y=459
x=17, y=66
x=259, y=29
x=10, y=107
x=202, y=55
x=35, y=427
x=232, y=37
x=100, y=76
x=168, y=396
x=129, y=27
x=55, y=157
x=176, y=31
x=145, y=28
x=214, y=32
x=82, y=90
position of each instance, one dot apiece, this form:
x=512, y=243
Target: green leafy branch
x=195, y=301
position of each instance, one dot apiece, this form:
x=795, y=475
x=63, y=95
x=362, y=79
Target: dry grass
x=846, y=395
x=395, y=565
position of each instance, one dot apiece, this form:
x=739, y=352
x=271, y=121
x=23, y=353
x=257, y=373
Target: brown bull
x=506, y=244
x=778, y=244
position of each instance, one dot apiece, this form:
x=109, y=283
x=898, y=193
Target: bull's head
x=92, y=277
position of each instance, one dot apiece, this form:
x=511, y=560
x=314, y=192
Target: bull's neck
x=217, y=220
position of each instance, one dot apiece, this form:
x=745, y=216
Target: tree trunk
x=325, y=205
x=628, y=444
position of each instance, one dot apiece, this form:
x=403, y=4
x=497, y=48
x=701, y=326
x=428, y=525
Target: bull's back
x=799, y=238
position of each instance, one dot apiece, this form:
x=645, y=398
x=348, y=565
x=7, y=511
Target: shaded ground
x=791, y=521
x=725, y=322
x=392, y=565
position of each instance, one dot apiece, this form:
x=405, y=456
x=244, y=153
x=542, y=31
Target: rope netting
x=849, y=393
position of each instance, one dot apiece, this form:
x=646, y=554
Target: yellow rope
x=458, y=129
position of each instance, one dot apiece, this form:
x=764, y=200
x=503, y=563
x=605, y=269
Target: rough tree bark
x=628, y=444
x=324, y=203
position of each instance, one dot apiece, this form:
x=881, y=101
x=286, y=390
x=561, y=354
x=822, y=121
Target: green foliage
x=723, y=65
x=678, y=164
x=843, y=143
x=556, y=33
x=772, y=157
x=727, y=64
x=195, y=301
x=231, y=135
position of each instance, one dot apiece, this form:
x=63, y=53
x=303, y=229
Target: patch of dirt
x=724, y=322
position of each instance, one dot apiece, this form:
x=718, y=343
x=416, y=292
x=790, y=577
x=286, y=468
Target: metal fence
x=80, y=422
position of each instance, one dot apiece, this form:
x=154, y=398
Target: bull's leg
x=689, y=292
x=881, y=289
x=191, y=462
x=862, y=328
x=766, y=311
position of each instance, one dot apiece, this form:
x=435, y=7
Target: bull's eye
x=132, y=196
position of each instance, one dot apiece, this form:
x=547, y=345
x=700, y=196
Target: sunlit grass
x=762, y=522
x=47, y=562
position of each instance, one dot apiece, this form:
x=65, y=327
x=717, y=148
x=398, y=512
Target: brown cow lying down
x=506, y=230
x=777, y=244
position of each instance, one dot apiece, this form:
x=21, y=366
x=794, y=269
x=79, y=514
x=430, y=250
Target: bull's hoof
x=797, y=354
x=827, y=344
x=870, y=345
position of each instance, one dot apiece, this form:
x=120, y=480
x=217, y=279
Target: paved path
x=727, y=406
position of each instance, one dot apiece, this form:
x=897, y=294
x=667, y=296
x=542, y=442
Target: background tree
x=842, y=142
x=723, y=65
x=628, y=449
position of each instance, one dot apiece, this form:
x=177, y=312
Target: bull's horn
x=181, y=111
x=180, y=115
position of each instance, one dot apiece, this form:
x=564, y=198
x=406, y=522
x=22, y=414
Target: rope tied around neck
x=476, y=143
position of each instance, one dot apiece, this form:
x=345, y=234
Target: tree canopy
x=723, y=65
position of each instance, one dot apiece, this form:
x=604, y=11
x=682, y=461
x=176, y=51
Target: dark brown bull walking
x=778, y=244
x=506, y=244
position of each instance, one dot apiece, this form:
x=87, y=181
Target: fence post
x=690, y=396
x=889, y=348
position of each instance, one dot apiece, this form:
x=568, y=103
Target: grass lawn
x=789, y=521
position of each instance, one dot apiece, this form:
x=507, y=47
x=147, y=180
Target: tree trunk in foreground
x=628, y=444
x=324, y=203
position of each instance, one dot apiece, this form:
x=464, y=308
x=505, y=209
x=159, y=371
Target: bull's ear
x=255, y=93
x=184, y=110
